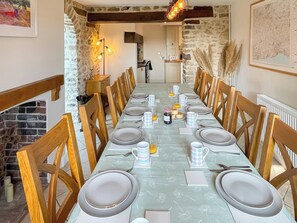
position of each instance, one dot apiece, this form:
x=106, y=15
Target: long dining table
x=163, y=186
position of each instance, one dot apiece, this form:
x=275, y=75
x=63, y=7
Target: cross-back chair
x=33, y=158
x=125, y=85
x=131, y=78
x=207, y=88
x=94, y=128
x=122, y=89
x=280, y=134
x=198, y=80
x=116, y=104
x=223, y=101
x=251, y=118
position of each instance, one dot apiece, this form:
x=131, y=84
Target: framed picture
x=18, y=18
x=273, y=35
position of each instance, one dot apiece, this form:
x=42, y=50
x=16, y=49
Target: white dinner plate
x=97, y=212
x=191, y=95
x=200, y=110
x=270, y=210
x=108, y=190
x=247, y=190
x=215, y=136
x=139, y=95
x=127, y=136
x=136, y=110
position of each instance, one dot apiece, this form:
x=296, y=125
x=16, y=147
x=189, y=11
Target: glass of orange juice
x=154, y=141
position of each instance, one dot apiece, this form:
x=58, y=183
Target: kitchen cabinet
x=173, y=71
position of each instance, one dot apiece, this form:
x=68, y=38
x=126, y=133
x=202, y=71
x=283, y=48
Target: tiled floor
x=285, y=190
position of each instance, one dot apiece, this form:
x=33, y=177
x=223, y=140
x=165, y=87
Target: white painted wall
x=155, y=41
x=25, y=60
x=124, y=54
x=251, y=80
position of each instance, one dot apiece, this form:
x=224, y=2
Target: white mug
x=143, y=153
x=175, y=89
x=147, y=119
x=151, y=99
x=182, y=100
x=192, y=117
x=198, y=153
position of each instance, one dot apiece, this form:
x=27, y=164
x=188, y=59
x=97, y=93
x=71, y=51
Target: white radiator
x=287, y=115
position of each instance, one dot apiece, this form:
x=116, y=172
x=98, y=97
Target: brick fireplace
x=20, y=126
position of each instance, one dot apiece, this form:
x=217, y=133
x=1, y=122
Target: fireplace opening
x=20, y=126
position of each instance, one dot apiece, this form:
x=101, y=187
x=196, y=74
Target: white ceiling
x=149, y=2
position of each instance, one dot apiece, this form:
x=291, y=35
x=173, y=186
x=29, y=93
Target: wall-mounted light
x=105, y=50
x=175, y=8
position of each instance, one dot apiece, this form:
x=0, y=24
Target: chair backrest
x=198, y=80
x=32, y=159
x=207, y=88
x=280, y=134
x=252, y=119
x=94, y=128
x=116, y=104
x=223, y=101
x=122, y=85
x=132, y=78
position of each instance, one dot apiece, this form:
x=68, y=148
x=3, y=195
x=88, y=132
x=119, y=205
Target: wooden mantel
x=23, y=93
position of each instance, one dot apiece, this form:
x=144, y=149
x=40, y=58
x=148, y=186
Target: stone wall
x=82, y=60
x=200, y=33
x=2, y=130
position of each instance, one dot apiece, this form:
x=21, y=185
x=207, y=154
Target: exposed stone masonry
x=81, y=62
x=200, y=33
x=20, y=126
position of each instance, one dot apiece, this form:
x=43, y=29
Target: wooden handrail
x=14, y=96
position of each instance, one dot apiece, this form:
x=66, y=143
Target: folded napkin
x=136, y=164
x=138, y=100
x=158, y=216
x=204, y=165
x=185, y=131
x=115, y=147
x=231, y=148
x=123, y=217
x=241, y=217
x=131, y=118
x=208, y=116
x=195, y=178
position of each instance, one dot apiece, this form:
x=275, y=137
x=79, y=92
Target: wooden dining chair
x=116, y=104
x=94, y=128
x=280, y=134
x=198, y=80
x=224, y=97
x=251, y=117
x=122, y=86
x=207, y=89
x=131, y=77
x=33, y=158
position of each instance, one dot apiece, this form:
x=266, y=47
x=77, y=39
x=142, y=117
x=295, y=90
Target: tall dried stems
x=204, y=59
x=230, y=59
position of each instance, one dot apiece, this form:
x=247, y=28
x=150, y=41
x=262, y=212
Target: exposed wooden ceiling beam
x=146, y=17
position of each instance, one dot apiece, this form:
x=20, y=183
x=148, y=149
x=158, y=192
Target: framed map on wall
x=18, y=18
x=273, y=35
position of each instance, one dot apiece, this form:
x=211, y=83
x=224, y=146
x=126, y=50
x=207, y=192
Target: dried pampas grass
x=230, y=59
x=204, y=59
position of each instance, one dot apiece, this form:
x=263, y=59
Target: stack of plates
x=191, y=95
x=200, y=110
x=249, y=193
x=136, y=111
x=139, y=95
x=127, y=136
x=108, y=193
x=215, y=136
